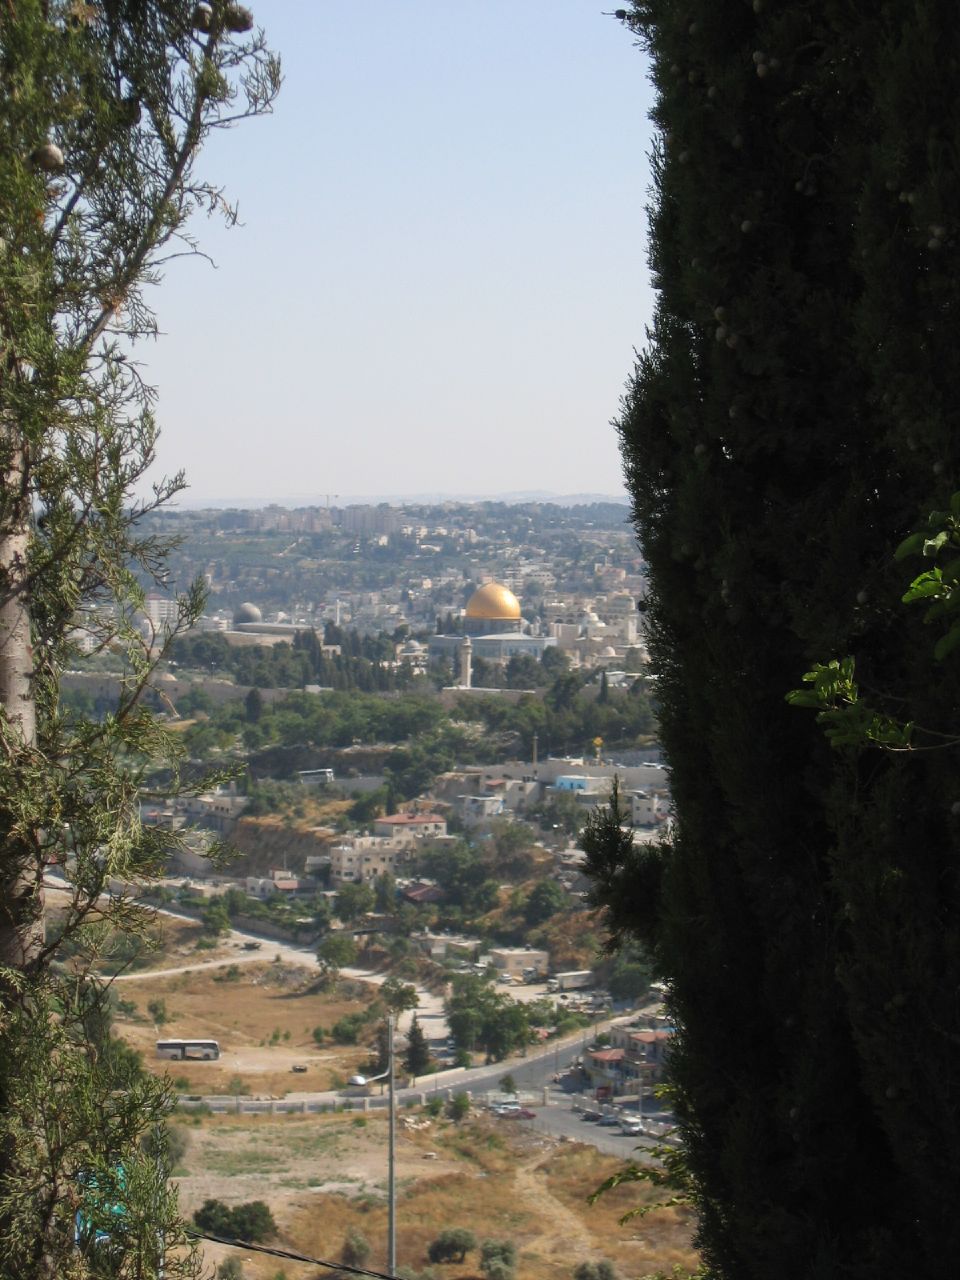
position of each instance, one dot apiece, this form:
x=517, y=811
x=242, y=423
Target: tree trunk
x=21, y=879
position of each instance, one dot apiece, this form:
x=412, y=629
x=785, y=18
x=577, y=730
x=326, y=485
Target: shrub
x=318, y=1035
x=157, y=1010
x=253, y=1221
x=237, y=1086
x=458, y=1107
x=498, y=1258
x=434, y=1105
x=231, y=1269
x=346, y=1030
x=601, y=1270
x=451, y=1245
x=497, y=1269
x=214, y=1217
x=356, y=1248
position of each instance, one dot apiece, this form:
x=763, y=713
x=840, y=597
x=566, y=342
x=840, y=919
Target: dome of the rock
x=247, y=612
x=493, y=602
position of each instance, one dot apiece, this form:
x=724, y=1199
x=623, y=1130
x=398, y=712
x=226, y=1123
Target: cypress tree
x=793, y=416
x=417, y=1057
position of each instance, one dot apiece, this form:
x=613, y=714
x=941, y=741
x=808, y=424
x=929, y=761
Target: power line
x=289, y=1254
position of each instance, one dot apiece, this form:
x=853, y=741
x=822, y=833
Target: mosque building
x=493, y=629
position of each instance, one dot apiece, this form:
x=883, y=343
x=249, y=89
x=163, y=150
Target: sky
x=440, y=277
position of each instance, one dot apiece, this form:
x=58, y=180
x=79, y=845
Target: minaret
x=466, y=660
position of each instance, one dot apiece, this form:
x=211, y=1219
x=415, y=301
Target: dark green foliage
x=251, y=1221
x=451, y=1245
x=354, y=901
x=480, y=1017
x=215, y=919
x=458, y=1108
x=498, y=1259
x=600, y=1270
x=346, y=1030
x=157, y=1009
x=417, y=1057
x=626, y=875
x=545, y=900
x=793, y=417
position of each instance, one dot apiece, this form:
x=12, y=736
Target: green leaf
x=923, y=588
x=932, y=545
x=804, y=698
x=910, y=546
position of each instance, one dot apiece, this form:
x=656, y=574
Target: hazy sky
x=441, y=274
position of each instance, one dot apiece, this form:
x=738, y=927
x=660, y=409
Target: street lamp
x=391, y=1146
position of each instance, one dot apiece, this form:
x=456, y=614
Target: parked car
x=609, y=1120
x=298, y=1068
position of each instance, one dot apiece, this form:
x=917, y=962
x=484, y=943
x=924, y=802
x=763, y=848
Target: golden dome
x=493, y=602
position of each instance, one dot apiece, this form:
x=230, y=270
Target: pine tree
x=104, y=109
x=791, y=419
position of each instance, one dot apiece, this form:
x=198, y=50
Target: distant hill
x=196, y=502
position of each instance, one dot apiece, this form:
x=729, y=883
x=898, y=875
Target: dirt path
x=562, y=1234
x=142, y=975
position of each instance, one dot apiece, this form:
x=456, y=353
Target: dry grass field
x=325, y=1175
x=263, y=1015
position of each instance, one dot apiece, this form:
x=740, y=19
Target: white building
x=364, y=858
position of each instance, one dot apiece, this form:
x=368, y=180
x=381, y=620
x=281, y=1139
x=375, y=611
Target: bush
x=254, y=1222
x=434, y=1105
x=215, y=1217
x=346, y=1030
x=497, y=1269
x=602, y=1270
x=318, y=1035
x=157, y=1010
x=458, y=1107
x=356, y=1248
x=451, y=1245
x=231, y=1269
x=237, y=1086
x=498, y=1259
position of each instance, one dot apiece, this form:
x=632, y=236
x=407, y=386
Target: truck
x=572, y=980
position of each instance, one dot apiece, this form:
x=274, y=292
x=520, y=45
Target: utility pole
x=391, y=1156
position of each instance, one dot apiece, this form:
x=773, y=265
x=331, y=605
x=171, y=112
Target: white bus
x=180, y=1049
